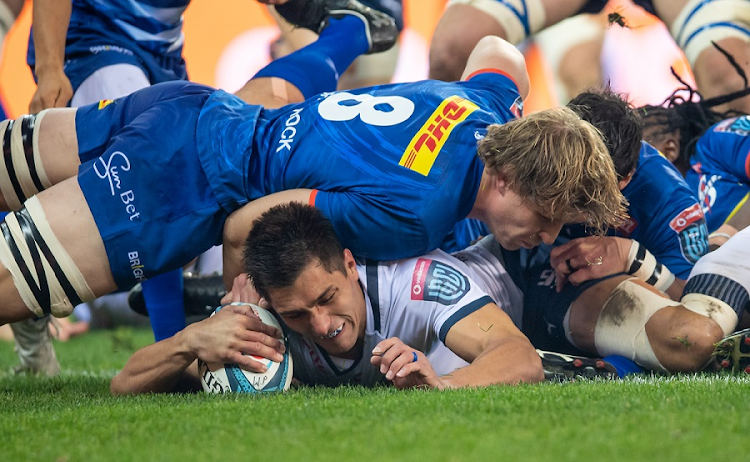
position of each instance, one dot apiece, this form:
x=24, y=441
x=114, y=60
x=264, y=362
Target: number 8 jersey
x=394, y=167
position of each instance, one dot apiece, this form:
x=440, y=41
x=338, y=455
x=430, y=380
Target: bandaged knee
x=643, y=265
x=519, y=18
x=621, y=326
x=21, y=171
x=719, y=284
x=701, y=22
x=45, y=276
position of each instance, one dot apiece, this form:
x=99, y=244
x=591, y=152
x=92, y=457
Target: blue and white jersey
x=153, y=25
x=664, y=214
x=417, y=300
x=720, y=174
x=393, y=167
x=147, y=34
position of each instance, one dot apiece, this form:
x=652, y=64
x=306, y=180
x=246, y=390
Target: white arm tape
x=643, y=265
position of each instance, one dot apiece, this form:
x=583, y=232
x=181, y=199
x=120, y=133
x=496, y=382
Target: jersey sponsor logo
x=687, y=217
x=517, y=107
x=707, y=192
x=111, y=169
x=424, y=148
x=104, y=103
x=287, y=134
x=136, y=266
x=739, y=126
x=690, y=225
x=434, y=281
x=627, y=228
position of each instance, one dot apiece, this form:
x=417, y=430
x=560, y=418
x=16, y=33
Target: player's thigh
x=585, y=310
x=39, y=150
x=73, y=225
x=110, y=82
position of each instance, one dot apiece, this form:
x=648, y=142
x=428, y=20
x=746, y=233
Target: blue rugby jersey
x=394, y=167
x=720, y=174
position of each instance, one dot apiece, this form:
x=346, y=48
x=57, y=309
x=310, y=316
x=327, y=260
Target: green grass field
x=73, y=418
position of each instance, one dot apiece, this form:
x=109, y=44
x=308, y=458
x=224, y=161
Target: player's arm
x=226, y=337
x=739, y=220
x=240, y=222
x=50, y=27
x=498, y=352
x=495, y=53
x=593, y=257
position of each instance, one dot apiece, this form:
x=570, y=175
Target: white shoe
x=34, y=347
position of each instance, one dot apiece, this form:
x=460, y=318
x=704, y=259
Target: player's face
x=328, y=308
x=517, y=223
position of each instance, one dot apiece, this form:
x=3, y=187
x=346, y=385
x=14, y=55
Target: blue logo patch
x=437, y=282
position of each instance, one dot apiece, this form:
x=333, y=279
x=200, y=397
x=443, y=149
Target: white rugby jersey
x=485, y=261
x=417, y=300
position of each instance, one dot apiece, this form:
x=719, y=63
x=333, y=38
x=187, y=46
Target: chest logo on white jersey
x=434, y=281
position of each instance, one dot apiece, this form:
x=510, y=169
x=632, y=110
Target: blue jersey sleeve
x=664, y=214
x=725, y=149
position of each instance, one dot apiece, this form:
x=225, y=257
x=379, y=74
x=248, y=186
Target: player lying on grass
x=418, y=322
x=184, y=167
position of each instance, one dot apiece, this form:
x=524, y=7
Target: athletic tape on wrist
x=643, y=265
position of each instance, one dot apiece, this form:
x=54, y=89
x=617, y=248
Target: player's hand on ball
x=404, y=366
x=231, y=334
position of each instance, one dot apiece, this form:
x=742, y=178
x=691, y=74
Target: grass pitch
x=73, y=418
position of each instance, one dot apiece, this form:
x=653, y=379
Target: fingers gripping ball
x=228, y=378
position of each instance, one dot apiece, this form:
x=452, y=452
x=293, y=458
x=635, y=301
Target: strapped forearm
x=643, y=265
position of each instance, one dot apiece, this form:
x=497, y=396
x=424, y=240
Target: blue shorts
x=93, y=46
x=543, y=307
x=143, y=180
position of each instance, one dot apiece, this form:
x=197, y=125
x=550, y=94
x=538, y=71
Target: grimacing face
x=328, y=308
x=516, y=223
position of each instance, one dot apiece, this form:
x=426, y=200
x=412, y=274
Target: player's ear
x=350, y=264
x=671, y=149
x=500, y=182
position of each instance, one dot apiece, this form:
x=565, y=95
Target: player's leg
x=694, y=24
x=39, y=150
x=163, y=294
x=572, y=49
x=347, y=29
x=52, y=256
x=626, y=317
x=465, y=22
x=720, y=285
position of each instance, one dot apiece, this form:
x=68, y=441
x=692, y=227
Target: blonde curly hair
x=560, y=164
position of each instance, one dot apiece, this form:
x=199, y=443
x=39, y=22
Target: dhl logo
x=424, y=148
x=104, y=103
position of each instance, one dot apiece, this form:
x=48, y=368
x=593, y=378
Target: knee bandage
x=44, y=274
x=621, y=326
x=21, y=171
x=519, y=18
x=702, y=21
x=643, y=265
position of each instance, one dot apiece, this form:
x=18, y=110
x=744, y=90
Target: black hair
x=617, y=120
x=688, y=112
x=284, y=241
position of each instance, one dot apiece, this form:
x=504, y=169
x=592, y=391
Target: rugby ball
x=230, y=378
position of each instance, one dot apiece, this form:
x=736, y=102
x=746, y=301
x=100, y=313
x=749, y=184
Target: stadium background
x=226, y=46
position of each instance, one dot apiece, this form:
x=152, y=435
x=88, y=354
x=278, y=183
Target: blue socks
x=624, y=366
x=164, y=303
x=317, y=67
